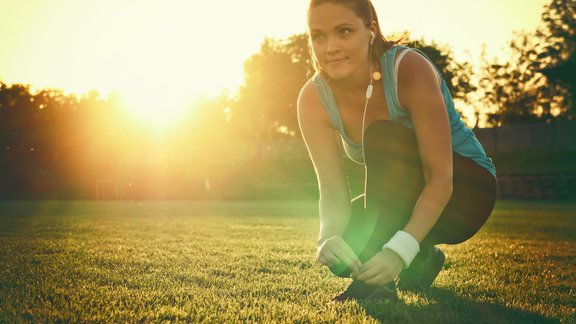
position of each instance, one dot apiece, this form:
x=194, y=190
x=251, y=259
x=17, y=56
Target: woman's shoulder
x=393, y=46
x=308, y=98
x=412, y=53
x=415, y=67
x=308, y=90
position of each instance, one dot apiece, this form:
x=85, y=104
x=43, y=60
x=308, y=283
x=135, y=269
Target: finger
x=349, y=252
x=330, y=257
x=366, y=266
x=368, y=274
x=323, y=261
x=355, y=273
x=337, y=247
x=321, y=257
x=343, y=255
x=379, y=279
x=355, y=263
x=329, y=263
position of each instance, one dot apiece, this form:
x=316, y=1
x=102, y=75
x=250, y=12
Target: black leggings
x=394, y=182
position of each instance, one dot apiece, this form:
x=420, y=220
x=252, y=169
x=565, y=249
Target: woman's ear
x=373, y=31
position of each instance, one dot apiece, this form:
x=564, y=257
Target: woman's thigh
x=472, y=202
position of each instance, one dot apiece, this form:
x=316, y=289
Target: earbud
x=369, y=92
x=373, y=36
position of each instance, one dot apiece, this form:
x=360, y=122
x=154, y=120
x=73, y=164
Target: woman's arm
x=334, y=204
x=421, y=95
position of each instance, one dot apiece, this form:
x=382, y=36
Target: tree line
x=519, y=87
x=52, y=143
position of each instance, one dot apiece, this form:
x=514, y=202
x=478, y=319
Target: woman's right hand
x=335, y=251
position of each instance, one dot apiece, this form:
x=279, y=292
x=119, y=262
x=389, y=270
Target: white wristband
x=405, y=245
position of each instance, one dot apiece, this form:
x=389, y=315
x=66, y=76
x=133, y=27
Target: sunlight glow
x=158, y=109
x=162, y=54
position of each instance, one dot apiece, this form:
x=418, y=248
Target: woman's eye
x=317, y=37
x=345, y=31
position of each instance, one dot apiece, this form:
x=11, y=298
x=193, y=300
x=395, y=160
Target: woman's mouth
x=336, y=60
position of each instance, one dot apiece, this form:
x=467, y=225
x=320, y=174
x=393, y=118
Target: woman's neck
x=355, y=85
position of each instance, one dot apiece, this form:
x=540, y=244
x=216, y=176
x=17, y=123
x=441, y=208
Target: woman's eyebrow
x=335, y=27
x=344, y=25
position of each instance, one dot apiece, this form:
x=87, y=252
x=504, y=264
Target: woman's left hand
x=383, y=268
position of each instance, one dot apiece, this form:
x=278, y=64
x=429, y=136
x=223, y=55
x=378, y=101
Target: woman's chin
x=338, y=75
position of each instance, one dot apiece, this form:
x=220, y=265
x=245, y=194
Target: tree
x=266, y=104
x=517, y=87
x=457, y=74
x=558, y=31
x=28, y=127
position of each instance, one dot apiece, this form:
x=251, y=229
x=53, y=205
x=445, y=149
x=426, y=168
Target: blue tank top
x=464, y=142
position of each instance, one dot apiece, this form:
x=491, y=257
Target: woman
x=428, y=180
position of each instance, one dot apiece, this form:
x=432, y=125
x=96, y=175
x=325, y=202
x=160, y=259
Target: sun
x=156, y=106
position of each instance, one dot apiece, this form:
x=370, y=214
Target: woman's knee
x=470, y=206
x=389, y=141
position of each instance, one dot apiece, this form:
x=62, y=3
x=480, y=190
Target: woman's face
x=340, y=40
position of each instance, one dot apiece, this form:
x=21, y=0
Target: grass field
x=254, y=261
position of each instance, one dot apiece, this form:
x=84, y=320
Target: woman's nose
x=331, y=45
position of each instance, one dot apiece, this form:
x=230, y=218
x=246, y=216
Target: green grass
x=254, y=261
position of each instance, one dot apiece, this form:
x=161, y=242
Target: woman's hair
x=365, y=11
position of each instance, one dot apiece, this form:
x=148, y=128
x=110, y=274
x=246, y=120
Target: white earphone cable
x=369, y=90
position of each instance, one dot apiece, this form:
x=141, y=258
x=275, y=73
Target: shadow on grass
x=443, y=306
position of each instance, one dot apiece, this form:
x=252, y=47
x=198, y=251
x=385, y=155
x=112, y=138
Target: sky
x=152, y=49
